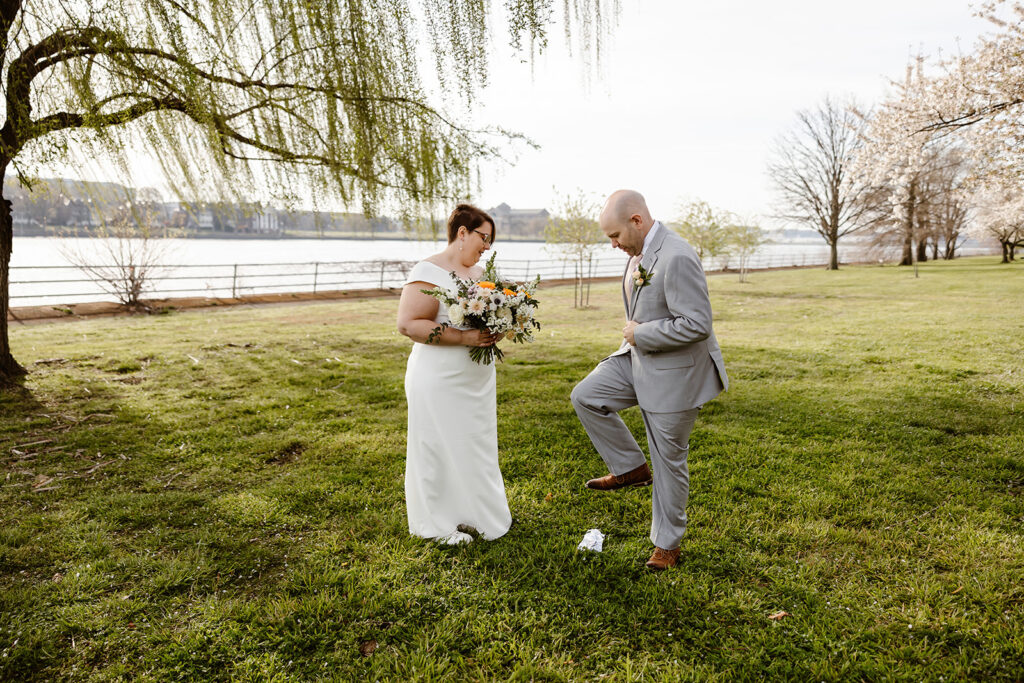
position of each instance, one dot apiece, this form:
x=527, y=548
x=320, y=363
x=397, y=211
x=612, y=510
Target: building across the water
x=519, y=223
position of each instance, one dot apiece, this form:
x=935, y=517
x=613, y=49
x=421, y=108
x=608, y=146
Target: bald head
x=626, y=220
x=622, y=205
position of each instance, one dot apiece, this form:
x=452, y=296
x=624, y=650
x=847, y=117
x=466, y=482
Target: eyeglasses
x=485, y=238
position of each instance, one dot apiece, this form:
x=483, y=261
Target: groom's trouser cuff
x=668, y=437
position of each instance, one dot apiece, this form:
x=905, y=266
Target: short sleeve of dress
x=425, y=271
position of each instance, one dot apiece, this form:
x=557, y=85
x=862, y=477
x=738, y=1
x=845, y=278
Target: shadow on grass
x=17, y=404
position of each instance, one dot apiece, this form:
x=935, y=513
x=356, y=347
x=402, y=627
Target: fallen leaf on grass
x=366, y=648
x=957, y=590
x=549, y=497
x=778, y=616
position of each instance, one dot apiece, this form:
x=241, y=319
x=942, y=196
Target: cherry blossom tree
x=1000, y=215
x=897, y=157
x=979, y=97
x=946, y=210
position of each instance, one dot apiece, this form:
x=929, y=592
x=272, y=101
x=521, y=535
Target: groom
x=669, y=364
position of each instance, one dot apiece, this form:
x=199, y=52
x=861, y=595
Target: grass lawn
x=218, y=495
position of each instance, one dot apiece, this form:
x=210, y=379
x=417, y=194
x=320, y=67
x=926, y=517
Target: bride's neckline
x=440, y=267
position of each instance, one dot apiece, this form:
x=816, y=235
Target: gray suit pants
x=598, y=400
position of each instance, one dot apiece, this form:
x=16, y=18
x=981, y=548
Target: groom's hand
x=627, y=332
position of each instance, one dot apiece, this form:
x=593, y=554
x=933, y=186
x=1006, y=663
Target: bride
x=452, y=478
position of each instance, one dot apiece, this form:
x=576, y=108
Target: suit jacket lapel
x=625, y=301
x=648, y=261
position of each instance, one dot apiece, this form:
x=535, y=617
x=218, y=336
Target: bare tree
x=811, y=170
x=321, y=101
x=125, y=258
x=574, y=232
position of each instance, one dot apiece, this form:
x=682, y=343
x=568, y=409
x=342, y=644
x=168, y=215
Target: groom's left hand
x=627, y=332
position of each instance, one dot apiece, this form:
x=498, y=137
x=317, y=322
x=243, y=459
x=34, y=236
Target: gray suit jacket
x=677, y=364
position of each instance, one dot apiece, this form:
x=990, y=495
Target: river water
x=42, y=271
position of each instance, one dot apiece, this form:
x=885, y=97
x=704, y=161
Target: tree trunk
x=908, y=231
x=935, y=249
x=922, y=250
x=1006, y=252
x=577, y=288
x=908, y=251
x=9, y=368
x=590, y=276
x=833, y=259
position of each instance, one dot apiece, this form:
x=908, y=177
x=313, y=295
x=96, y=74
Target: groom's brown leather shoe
x=641, y=476
x=662, y=559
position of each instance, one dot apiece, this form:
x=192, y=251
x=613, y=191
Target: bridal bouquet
x=492, y=304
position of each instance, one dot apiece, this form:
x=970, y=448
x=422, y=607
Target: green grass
x=218, y=496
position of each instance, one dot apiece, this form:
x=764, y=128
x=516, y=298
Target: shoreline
x=48, y=313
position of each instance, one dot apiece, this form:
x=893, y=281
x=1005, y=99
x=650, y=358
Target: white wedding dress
x=451, y=468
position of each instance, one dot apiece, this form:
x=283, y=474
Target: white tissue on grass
x=592, y=540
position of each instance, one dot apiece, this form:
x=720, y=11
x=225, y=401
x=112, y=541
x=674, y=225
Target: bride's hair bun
x=469, y=217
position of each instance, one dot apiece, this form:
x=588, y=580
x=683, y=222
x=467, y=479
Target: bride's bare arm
x=416, y=312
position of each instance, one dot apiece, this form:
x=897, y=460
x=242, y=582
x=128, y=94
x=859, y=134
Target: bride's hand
x=479, y=338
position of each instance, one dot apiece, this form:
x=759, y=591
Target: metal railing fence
x=38, y=285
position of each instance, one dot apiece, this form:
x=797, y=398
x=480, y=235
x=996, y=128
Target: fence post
x=316, y=273
x=234, y=281
x=382, y=275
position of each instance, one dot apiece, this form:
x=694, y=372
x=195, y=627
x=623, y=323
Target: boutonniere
x=641, y=277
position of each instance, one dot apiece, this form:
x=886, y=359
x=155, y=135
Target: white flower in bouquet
x=456, y=314
x=476, y=306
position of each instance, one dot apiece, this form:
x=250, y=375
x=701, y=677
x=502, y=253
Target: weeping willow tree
x=311, y=101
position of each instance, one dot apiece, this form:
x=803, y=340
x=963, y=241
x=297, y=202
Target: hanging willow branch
x=310, y=101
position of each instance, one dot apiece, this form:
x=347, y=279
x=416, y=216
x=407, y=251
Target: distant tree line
x=60, y=206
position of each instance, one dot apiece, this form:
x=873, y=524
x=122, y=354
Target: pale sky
x=693, y=94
